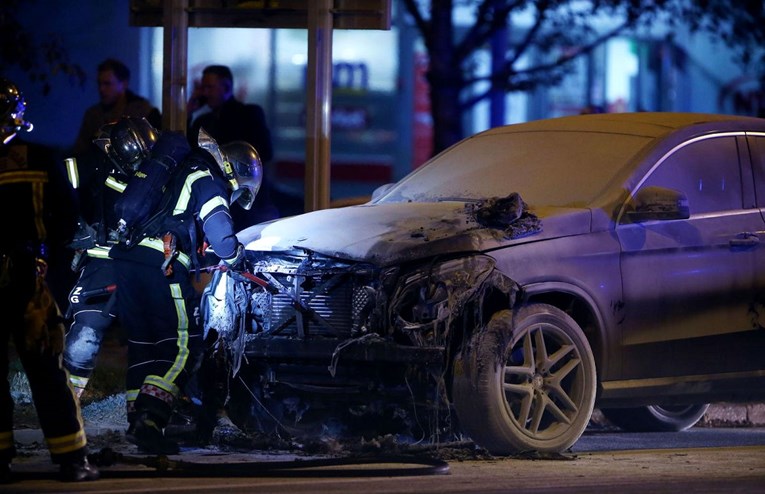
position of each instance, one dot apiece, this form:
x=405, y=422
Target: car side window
x=707, y=172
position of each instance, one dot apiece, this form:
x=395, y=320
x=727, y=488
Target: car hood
x=392, y=233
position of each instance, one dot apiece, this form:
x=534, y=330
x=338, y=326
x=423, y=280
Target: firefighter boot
x=79, y=470
x=150, y=438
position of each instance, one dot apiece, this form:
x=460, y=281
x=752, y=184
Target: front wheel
x=526, y=382
x=655, y=418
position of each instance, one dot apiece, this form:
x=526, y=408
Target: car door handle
x=746, y=239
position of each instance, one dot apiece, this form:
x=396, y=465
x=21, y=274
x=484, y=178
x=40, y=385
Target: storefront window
x=364, y=106
x=247, y=52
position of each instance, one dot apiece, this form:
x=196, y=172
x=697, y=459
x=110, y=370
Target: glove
x=170, y=149
x=236, y=263
x=84, y=237
x=43, y=321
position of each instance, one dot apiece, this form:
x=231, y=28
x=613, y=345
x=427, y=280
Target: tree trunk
x=445, y=78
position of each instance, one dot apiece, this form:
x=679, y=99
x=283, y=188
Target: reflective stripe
x=99, y=251
x=185, y=196
x=115, y=184
x=22, y=177
x=210, y=205
x=6, y=440
x=158, y=245
x=130, y=396
x=72, y=172
x=78, y=382
x=67, y=444
x=163, y=384
x=183, y=334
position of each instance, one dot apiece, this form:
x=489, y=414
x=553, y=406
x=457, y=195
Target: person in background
x=228, y=119
x=115, y=100
x=30, y=314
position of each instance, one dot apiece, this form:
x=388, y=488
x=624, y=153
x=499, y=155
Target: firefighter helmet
x=12, y=106
x=244, y=170
x=127, y=142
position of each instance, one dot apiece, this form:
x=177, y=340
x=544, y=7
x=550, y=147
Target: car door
x=691, y=286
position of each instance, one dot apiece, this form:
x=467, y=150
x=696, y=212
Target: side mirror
x=657, y=204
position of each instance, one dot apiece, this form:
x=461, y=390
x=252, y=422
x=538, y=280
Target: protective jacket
x=26, y=216
x=194, y=208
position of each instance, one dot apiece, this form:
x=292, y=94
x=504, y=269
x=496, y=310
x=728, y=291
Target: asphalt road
x=700, y=460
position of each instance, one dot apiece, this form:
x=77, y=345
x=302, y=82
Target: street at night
x=698, y=460
x=382, y=246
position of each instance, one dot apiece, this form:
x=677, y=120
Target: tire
x=655, y=418
x=508, y=399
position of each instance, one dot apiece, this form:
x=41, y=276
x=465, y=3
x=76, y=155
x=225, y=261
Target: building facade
x=381, y=125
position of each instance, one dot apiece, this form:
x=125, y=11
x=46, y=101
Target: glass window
x=706, y=171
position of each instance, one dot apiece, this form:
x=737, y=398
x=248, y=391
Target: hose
x=323, y=467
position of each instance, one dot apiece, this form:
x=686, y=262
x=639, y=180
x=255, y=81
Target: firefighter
x=156, y=301
x=31, y=315
x=92, y=299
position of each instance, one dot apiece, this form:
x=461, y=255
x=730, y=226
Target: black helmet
x=127, y=142
x=244, y=170
x=12, y=106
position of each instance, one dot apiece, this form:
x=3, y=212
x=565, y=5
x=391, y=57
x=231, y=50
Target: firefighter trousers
x=92, y=316
x=164, y=335
x=57, y=407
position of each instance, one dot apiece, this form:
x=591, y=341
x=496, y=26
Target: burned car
x=516, y=281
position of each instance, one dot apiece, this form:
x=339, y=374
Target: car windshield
x=552, y=168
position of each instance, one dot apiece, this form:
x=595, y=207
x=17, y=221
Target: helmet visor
x=130, y=141
x=246, y=172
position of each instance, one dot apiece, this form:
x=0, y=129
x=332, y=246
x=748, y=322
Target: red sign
x=422, y=126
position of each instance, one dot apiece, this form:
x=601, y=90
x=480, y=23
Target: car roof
x=648, y=124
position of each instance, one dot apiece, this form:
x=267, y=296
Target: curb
x=718, y=415
x=734, y=415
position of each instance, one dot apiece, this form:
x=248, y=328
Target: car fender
x=586, y=313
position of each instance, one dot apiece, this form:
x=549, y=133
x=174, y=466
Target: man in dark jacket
x=228, y=119
x=30, y=314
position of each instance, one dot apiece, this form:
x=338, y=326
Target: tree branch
x=529, y=75
x=422, y=25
